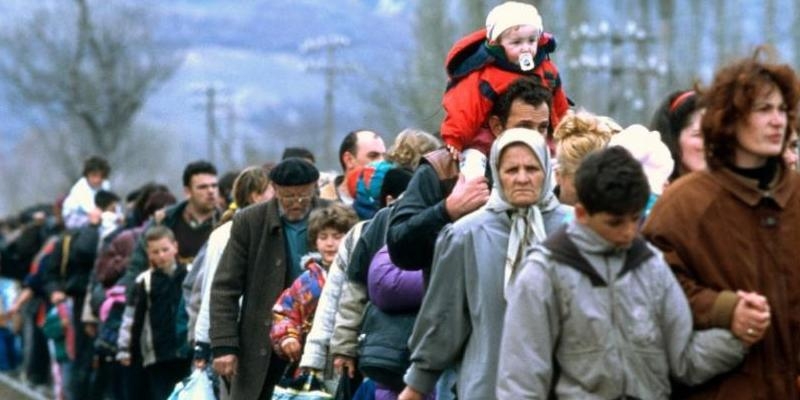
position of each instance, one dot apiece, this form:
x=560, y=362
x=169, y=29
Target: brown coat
x=253, y=265
x=719, y=233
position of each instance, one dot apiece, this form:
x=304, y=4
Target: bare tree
x=84, y=69
x=412, y=98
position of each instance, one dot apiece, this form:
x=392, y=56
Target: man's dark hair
x=299, y=152
x=349, y=145
x=525, y=89
x=105, y=198
x=196, y=168
x=96, y=164
x=611, y=180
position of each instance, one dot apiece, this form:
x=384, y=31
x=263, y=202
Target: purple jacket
x=392, y=289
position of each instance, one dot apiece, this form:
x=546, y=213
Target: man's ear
x=495, y=125
x=349, y=161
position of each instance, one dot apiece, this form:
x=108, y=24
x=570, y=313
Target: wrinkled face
x=519, y=40
x=202, y=192
x=691, y=144
x=619, y=230
x=328, y=243
x=762, y=133
x=162, y=252
x=521, y=175
x=295, y=201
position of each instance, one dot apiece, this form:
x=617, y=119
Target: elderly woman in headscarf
x=462, y=314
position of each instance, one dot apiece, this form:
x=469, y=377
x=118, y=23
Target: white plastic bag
x=197, y=386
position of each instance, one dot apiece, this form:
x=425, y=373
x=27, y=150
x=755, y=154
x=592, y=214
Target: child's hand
x=454, y=153
x=291, y=347
x=751, y=317
x=125, y=362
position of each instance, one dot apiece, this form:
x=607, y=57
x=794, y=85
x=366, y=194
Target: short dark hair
x=96, y=164
x=349, y=145
x=105, y=198
x=611, y=180
x=299, y=152
x=197, y=168
x=158, y=232
x=395, y=183
x=143, y=194
x=337, y=216
x=225, y=185
x=525, y=89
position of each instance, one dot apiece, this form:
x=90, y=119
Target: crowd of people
x=536, y=250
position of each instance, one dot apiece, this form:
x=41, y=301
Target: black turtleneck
x=763, y=174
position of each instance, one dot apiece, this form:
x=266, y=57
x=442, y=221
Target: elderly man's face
x=295, y=201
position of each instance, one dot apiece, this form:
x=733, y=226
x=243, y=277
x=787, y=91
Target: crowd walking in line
x=530, y=249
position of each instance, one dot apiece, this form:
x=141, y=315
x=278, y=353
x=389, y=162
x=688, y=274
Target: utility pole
x=624, y=56
x=214, y=97
x=211, y=121
x=328, y=46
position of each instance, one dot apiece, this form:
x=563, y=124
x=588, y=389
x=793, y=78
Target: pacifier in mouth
x=526, y=61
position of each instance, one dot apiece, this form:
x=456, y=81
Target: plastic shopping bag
x=197, y=386
x=307, y=386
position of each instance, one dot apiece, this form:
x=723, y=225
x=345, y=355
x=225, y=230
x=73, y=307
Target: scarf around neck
x=527, y=223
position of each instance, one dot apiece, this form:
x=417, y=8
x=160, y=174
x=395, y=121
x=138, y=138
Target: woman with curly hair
x=730, y=232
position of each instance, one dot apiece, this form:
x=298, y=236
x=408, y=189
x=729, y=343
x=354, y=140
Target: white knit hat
x=510, y=14
x=646, y=147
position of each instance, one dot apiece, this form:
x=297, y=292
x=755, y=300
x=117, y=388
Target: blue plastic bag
x=197, y=386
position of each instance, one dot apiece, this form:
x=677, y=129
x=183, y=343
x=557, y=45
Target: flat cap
x=294, y=172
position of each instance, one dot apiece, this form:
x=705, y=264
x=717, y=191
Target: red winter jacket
x=476, y=78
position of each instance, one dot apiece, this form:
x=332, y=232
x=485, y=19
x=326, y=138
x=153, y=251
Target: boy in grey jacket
x=595, y=312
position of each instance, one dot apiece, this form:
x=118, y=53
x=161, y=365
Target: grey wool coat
x=253, y=266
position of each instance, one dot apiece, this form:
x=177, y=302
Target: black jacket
x=417, y=218
x=73, y=278
x=165, y=336
x=372, y=239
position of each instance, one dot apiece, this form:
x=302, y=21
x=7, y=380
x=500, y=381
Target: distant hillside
x=250, y=49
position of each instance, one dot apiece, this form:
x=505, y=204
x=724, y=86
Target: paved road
x=12, y=389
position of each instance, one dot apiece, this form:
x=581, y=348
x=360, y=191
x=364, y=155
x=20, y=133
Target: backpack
x=111, y=315
x=383, y=353
x=105, y=345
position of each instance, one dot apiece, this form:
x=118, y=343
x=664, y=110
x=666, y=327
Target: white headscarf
x=527, y=224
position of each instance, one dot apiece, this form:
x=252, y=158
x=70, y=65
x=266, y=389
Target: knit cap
x=510, y=14
x=647, y=148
